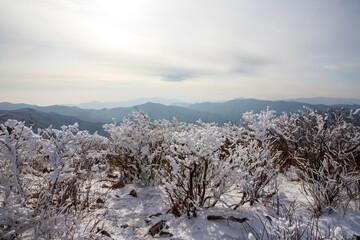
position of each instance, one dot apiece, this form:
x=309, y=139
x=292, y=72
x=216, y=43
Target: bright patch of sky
x=71, y=51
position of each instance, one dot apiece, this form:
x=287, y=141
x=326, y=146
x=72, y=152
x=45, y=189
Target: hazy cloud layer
x=190, y=50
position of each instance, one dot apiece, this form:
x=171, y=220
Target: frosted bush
x=325, y=149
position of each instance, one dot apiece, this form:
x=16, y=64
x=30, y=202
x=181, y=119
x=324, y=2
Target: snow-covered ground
x=123, y=216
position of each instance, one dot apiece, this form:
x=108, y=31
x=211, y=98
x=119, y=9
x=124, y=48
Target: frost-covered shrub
x=305, y=229
x=47, y=200
x=17, y=144
x=187, y=179
x=256, y=171
x=136, y=147
x=324, y=147
x=198, y=172
x=255, y=157
x=71, y=154
x=260, y=124
x=91, y=149
x=207, y=161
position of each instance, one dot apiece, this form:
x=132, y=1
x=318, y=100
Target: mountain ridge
x=130, y=103
x=217, y=112
x=139, y=101
x=326, y=100
x=38, y=119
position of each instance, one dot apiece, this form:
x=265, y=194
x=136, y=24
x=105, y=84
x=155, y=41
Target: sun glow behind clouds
x=213, y=49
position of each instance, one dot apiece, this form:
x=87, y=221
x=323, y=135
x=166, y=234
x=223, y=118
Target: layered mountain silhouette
x=93, y=119
x=38, y=119
x=234, y=109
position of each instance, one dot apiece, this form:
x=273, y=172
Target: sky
x=73, y=51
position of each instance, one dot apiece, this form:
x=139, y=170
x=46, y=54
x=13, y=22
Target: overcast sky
x=72, y=51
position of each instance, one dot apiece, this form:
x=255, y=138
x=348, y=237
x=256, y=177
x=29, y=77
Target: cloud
x=331, y=67
x=250, y=65
x=176, y=77
x=342, y=66
x=255, y=61
x=137, y=43
x=176, y=74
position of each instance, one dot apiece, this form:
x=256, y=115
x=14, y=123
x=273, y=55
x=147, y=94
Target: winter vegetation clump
x=67, y=184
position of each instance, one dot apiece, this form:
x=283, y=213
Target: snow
x=120, y=208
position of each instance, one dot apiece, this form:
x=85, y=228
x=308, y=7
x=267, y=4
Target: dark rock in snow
x=124, y=226
x=133, y=193
x=165, y=234
x=231, y=218
x=156, y=228
x=239, y=220
x=215, y=217
x=155, y=215
x=103, y=232
x=119, y=184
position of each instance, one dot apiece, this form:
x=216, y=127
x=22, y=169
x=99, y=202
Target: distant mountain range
x=326, y=100
x=234, y=109
x=38, y=119
x=100, y=105
x=93, y=119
